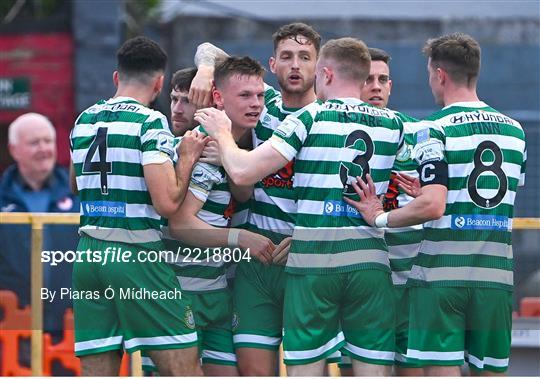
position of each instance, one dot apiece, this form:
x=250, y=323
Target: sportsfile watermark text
x=119, y=255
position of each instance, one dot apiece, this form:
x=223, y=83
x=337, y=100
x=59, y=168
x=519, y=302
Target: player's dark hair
x=140, y=58
x=181, y=80
x=351, y=57
x=458, y=54
x=242, y=66
x=379, y=55
x=294, y=30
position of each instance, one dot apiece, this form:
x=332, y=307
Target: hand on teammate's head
x=200, y=91
x=213, y=121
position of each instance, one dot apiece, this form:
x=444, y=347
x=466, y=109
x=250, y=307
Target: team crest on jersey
x=404, y=153
x=165, y=144
x=189, y=319
x=283, y=178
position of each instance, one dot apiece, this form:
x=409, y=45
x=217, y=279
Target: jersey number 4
x=102, y=167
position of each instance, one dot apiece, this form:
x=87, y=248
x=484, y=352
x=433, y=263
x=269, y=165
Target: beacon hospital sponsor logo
x=481, y=222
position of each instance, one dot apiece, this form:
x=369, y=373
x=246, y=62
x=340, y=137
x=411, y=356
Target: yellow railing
x=37, y=220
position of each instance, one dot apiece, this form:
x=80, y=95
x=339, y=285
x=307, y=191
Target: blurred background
x=57, y=58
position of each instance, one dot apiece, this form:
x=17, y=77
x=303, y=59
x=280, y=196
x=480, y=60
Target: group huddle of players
x=313, y=216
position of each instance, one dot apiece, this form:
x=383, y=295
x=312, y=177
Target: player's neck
x=459, y=95
x=238, y=132
x=298, y=100
x=142, y=95
x=339, y=92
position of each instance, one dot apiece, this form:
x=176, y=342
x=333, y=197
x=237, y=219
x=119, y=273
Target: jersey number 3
x=361, y=161
x=102, y=166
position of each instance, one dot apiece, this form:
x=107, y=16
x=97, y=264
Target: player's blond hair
x=351, y=56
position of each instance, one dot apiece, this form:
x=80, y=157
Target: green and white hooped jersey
x=471, y=245
x=403, y=243
x=334, y=142
x=110, y=143
x=200, y=272
x=273, y=205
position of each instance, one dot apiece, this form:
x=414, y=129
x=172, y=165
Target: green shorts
x=402, y=327
x=115, y=306
x=258, y=301
x=353, y=310
x=213, y=314
x=462, y=323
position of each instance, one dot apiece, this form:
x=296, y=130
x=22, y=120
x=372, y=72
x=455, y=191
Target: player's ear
x=389, y=86
x=217, y=98
x=158, y=85
x=328, y=75
x=441, y=76
x=272, y=64
x=115, y=78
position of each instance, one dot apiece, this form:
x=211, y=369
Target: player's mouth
x=295, y=78
x=253, y=116
x=376, y=99
x=180, y=120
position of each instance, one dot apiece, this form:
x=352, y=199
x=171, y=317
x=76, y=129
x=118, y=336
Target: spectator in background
x=35, y=184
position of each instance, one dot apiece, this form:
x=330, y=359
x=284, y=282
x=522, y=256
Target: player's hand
x=192, y=146
x=259, y=246
x=281, y=253
x=210, y=154
x=409, y=184
x=213, y=120
x=200, y=91
x=369, y=205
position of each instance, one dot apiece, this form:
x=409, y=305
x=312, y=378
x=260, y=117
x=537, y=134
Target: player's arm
x=187, y=227
x=244, y=167
x=167, y=184
x=240, y=193
x=73, y=179
x=429, y=205
x=200, y=91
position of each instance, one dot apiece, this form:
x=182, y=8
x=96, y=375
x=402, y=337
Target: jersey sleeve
x=430, y=155
x=203, y=178
x=156, y=141
x=521, y=181
x=289, y=137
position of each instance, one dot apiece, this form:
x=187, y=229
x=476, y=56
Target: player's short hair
x=243, y=66
x=458, y=54
x=181, y=80
x=379, y=55
x=293, y=31
x=140, y=59
x=351, y=56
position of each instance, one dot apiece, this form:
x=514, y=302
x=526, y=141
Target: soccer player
x=204, y=220
x=403, y=243
x=121, y=152
x=182, y=110
x=259, y=290
x=471, y=163
x=338, y=272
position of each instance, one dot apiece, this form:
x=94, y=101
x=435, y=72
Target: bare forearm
x=207, y=55
x=236, y=162
x=183, y=171
x=193, y=231
x=240, y=193
x=422, y=209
